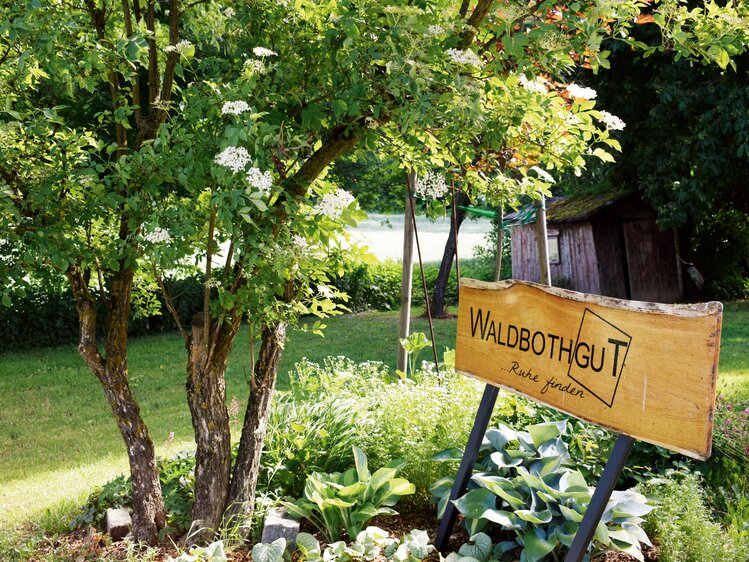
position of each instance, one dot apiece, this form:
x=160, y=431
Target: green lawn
x=57, y=437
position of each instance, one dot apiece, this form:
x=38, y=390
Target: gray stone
x=118, y=523
x=279, y=524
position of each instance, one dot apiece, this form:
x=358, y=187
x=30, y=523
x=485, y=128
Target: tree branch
x=207, y=289
x=86, y=309
x=170, y=304
x=474, y=21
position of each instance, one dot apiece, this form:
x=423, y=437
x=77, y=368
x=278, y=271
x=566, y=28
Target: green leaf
x=360, y=461
x=475, y=503
x=536, y=546
x=603, y=155
x=543, y=432
x=308, y=545
x=505, y=519
x=272, y=552
x=453, y=454
x=535, y=517
x=479, y=547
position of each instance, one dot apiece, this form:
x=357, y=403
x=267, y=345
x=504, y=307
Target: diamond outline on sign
x=623, y=362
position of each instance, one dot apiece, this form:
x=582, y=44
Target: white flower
x=333, y=204
x=158, y=236
x=229, y=12
x=431, y=185
x=235, y=158
x=464, y=57
x=325, y=291
x=537, y=85
x=262, y=181
x=300, y=242
x=580, y=92
x=263, y=52
x=370, y=122
x=257, y=65
x=234, y=107
x=436, y=30
x=180, y=47
x=543, y=174
x=612, y=122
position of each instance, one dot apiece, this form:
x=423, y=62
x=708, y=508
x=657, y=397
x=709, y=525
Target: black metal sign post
x=465, y=470
x=597, y=505
x=594, y=511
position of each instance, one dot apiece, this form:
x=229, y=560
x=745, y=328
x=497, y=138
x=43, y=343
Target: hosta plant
x=524, y=483
x=337, y=502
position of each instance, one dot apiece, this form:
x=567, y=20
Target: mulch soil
x=89, y=545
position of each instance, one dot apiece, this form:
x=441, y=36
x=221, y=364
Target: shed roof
x=568, y=209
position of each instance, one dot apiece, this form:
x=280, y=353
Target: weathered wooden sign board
x=643, y=369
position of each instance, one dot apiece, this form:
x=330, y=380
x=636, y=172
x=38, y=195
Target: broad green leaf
x=543, y=432
x=475, y=503
x=479, y=547
x=505, y=519
x=308, y=545
x=535, y=517
x=272, y=552
x=360, y=460
x=536, y=546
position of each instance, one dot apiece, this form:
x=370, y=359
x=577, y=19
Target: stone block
x=279, y=524
x=119, y=523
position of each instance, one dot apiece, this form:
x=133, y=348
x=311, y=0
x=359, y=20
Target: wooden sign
x=644, y=369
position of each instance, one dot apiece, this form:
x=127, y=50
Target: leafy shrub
x=45, y=314
x=116, y=493
x=305, y=437
x=683, y=526
x=347, y=501
x=523, y=484
x=177, y=483
x=414, y=420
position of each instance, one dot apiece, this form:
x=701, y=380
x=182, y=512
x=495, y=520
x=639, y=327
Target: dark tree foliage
x=379, y=184
x=686, y=148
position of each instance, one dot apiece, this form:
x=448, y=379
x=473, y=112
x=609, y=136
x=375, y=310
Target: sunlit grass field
x=57, y=438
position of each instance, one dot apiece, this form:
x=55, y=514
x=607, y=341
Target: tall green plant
x=338, y=502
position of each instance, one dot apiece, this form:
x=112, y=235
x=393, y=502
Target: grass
x=56, y=427
x=57, y=437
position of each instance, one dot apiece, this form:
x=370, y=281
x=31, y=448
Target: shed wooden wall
x=578, y=265
x=578, y=262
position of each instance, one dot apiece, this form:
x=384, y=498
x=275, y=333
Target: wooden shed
x=606, y=244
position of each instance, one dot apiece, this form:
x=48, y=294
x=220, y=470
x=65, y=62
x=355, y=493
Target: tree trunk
x=206, y=396
x=247, y=466
x=440, y=286
x=148, y=504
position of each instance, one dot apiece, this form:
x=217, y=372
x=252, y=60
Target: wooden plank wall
x=578, y=267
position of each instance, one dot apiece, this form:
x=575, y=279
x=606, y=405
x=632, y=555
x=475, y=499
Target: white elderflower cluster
x=432, y=185
x=612, y=122
x=229, y=12
x=262, y=181
x=263, y=52
x=257, y=65
x=235, y=107
x=158, y=236
x=324, y=291
x=235, y=158
x=180, y=47
x=464, y=57
x=581, y=92
x=436, y=30
x=299, y=242
x=543, y=174
x=333, y=204
x=537, y=85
